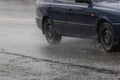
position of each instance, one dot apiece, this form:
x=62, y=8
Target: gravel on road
x=15, y=67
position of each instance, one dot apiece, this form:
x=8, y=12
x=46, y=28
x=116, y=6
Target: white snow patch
x=114, y=5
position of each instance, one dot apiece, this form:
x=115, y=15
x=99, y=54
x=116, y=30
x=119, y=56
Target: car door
x=57, y=13
x=80, y=20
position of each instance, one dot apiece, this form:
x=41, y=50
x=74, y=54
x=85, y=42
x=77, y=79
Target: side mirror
x=83, y=1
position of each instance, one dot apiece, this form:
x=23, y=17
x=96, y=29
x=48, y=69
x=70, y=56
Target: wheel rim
x=107, y=39
x=49, y=33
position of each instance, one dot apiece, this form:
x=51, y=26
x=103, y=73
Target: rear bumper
x=39, y=22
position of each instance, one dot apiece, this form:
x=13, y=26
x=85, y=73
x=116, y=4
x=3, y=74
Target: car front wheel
x=107, y=37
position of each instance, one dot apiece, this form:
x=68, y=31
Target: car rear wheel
x=107, y=37
x=51, y=36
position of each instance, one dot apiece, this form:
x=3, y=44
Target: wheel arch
x=100, y=21
x=43, y=20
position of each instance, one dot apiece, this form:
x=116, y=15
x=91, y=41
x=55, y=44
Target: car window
x=82, y=4
x=65, y=1
x=108, y=3
x=46, y=0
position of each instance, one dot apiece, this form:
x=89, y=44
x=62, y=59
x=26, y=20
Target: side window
x=82, y=4
x=65, y=1
x=46, y=0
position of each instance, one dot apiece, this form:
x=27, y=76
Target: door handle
x=69, y=9
x=49, y=7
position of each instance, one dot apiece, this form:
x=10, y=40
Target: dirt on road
x=19, y=67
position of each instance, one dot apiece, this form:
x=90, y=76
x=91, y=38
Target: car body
x=78, y=18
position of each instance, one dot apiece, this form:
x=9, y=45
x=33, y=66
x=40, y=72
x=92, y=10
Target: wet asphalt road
x=73, y=59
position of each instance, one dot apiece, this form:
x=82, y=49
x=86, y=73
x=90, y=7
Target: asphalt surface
x=26, y=55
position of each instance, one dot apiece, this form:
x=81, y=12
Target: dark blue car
x=80, y=18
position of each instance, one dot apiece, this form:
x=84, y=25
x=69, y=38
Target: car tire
x=107, y=37
x=51, y=36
